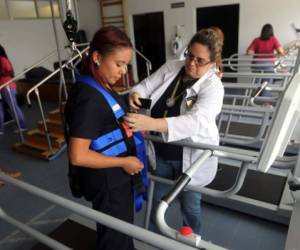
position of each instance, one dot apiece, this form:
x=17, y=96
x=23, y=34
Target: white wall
x=89, y=14
x=27, y=41
x=253, y=15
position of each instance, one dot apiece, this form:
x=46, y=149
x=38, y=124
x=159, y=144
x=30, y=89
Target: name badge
x=190, y=101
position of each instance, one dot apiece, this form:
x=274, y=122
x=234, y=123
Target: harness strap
x=105, y=140
x=120, y=147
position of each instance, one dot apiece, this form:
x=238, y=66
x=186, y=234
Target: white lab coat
x=197, y=124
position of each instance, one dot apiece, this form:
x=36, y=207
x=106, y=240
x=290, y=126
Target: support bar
x=102, y=218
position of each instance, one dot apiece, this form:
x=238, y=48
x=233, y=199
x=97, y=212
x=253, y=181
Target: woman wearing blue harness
x=107, y=156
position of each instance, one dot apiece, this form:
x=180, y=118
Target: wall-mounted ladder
x=113, y=12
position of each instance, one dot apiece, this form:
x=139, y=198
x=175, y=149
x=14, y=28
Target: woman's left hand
x=139, y=122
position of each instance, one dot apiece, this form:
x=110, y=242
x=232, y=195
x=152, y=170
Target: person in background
x=267, y=43
x=106, y=179
x=187, y=96
x=6, y=74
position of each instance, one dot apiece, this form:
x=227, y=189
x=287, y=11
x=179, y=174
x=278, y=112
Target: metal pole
x=49, y=76
x=149, y=203
x=102, y=218
x=62, y=82
x=33, y=233
x=44, y=121
x=15, y=114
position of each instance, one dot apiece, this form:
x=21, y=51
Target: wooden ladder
x=35, y=143
x=114, y=12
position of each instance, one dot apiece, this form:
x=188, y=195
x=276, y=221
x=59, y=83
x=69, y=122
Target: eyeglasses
x=198, y=60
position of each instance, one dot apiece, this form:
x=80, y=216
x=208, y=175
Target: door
x=226, y=17
x=149, y=36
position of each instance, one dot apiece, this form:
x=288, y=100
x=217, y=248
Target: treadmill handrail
x=211, y=192
x=182, y=182
x=249, y=156
x=48, y=241
x=102, y=218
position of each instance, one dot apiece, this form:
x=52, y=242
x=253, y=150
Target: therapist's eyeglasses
x=198, y=60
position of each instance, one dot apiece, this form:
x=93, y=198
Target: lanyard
x=170, y=102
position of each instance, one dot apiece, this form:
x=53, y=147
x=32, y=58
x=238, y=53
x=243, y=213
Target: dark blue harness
x=113, y=143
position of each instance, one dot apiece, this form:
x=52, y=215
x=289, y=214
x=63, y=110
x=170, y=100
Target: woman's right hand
x=134, y=102
x=132, y=165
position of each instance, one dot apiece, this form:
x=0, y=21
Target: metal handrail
x=52, y=74
x=258, y=75
x=148, y=62
x=28, y=69
x=102, y=218
x=250, y=86
x=254, y=61
x=36, y=91
x=246, y=108
x=6, y=85
x=181, y=184
x=33, y=233
x=250, y=156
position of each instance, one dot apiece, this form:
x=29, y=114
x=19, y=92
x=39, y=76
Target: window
x=3, y=10
x=22, y=9
x=44, y=9
x=19, y=9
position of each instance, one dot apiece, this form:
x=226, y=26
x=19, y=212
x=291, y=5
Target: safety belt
x=114, y=142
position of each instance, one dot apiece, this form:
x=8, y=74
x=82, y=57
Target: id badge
x=189, y=101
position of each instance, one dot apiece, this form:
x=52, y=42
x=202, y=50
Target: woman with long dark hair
x=6, y=74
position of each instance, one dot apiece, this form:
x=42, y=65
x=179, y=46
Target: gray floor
x=221, y=226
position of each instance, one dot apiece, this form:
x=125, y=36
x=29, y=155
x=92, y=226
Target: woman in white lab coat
x=186, y=98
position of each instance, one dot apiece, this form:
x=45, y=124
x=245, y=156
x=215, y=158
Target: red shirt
x=5, y=72
x=260, y=46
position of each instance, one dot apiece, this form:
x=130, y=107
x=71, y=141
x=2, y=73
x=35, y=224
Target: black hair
x=3, y=52
x=266, y=32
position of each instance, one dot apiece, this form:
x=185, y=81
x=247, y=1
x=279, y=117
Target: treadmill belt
x=73, y=235
x=259, y=186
